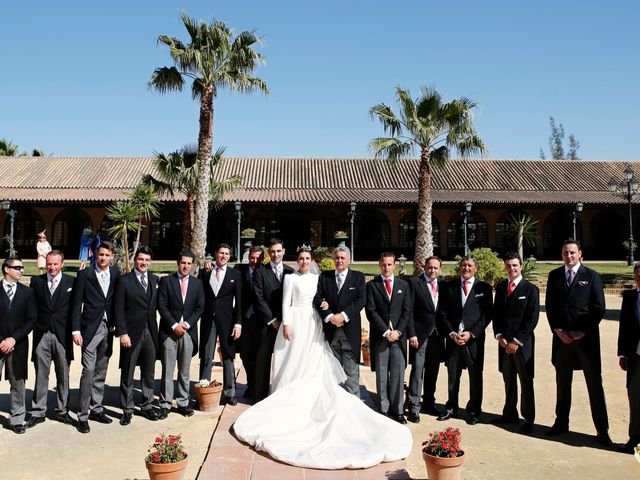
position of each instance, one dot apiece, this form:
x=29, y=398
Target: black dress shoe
x=150, y=414
x=83, y=427
x=473, y=419
x=502, y=420
x=604, y=439
x=186, y=411
x=413, y=417
x=398, y=418
x=64, y=418
x=100, y=417
x=526, y=428
x=629, y=447
x=33, y=421
x=446, y=415
x=125, y=419
x=19, y=429
x=432, y=409
x=164, y=413
x=224, y=400
x=556, y=430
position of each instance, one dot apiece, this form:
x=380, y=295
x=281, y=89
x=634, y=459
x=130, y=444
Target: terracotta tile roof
x=324, y=180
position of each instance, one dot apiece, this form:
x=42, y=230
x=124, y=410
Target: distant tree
x=432, y=128
x=213, y=59
x=556, y=144
x=8, y=148
x=145, y=200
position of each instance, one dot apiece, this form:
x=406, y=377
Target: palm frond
x=165, y=79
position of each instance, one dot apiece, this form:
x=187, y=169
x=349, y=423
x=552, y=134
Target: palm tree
x=8, y=148
x=145, y=200
x=433, y=128
x=522, y=229
x=212, y=59
x=124, y=216
x=179, y=173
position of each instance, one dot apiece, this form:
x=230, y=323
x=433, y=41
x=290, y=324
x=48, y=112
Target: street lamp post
x=238, y=206
x=465, y=223
x=627, y=188
x=352, y=215
x=6, y=206
x=574, y=216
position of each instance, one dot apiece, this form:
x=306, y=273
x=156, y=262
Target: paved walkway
x=228, y=458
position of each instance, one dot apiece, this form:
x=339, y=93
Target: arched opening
x=67, y=230
x=26, y=226
x=408, y=230
x=609, y=229
x=477, y=233
x=506, y=241
x=165, y=233
x=557, y=228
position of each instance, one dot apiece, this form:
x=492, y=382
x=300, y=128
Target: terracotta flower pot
x=167, y=471
x=439, y=468
x=208, y=397
x=366, y=357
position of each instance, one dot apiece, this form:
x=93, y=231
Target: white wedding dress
x=309, y=420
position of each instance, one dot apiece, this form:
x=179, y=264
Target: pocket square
x=69, y=289
x=233, y=281
x=522, y=298
x=582, y=283
x=399, y=291
x=352, y=288
x=479, y=295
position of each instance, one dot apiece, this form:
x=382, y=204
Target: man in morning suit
x=250, y=323
x=464, y=320
x=92, y=319
x=268, y=310
x=222, y=319
x=388, y=309
x=52, y=340
x=344, y=292
x=425, y=342
x=516, y=309
x=134, y=311
x=18, y=316
x=629, y=356
x=575, y=305
x=180, y=303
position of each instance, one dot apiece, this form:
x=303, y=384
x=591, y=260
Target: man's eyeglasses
x=16, y=267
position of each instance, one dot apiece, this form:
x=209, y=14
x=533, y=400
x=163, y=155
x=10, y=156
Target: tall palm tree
x=212, y=59
x=145, y=200
x=433, y=128
x=179, y=173
x=8, y=148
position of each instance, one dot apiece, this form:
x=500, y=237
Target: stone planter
x=167, y=471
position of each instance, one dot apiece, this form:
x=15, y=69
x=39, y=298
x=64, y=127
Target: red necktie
x=434, y=287
x=387, y=285
x=512, y=287
x=464, y=287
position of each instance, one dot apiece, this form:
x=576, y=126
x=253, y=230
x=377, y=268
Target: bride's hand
x=287, y=332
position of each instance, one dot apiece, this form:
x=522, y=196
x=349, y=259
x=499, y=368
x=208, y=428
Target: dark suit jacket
x=89, y=303
x=629, y=329
x=133, y=308
x=423, y=321
x=53, y=312
x=381, y=311
x=172, y=308
x=516, y=316
x=268, y=291
x=224, y=309
x=578, y=307
x=351, y=300
x=475, y=314
x=248, y=291
x=17, y=322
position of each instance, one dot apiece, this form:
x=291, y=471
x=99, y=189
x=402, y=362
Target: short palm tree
x=145, y=200
x=212, y=59
x=432, y=128
x=124, y=216
x=521, y=227
x=178, y=172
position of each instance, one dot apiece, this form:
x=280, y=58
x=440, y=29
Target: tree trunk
x=201, y=201
x=136, y=244
x=521, y=240
x=187, y=221
x=424, y=234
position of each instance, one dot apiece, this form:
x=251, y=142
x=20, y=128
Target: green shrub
x=490, y=266
x=320, y=253
x=326, y=264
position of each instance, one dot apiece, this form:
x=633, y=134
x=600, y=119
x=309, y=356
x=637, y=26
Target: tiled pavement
x=228, y=458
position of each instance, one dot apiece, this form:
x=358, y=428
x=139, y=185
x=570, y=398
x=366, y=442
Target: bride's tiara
x=304, y=248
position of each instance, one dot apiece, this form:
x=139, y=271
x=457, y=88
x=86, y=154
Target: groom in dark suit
x=92, y=321
x=18, y=316
x=466, y=316
x=52, y=339
x=388, y=310
x=135, y=306
x=516, y=310
x=344, y=292
x=222, y=319
x=575, y=306
x=268, y=310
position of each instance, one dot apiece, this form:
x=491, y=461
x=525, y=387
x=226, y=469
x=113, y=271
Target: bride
x=309, y=420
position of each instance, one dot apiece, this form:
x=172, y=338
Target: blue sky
x=74, y=74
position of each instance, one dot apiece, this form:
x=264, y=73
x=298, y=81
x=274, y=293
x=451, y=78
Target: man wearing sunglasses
x=18, y=316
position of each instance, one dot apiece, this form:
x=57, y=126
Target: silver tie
x=339, y=281
x=10, y=291
x=52, y=288
x=143, y=281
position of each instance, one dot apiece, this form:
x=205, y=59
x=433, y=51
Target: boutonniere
x=479, y=295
